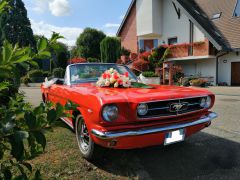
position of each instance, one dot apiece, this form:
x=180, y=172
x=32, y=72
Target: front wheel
x=89, y=150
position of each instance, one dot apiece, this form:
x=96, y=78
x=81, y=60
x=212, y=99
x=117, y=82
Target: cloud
x=59, y=7
x=70, y=33
x=111, y=25
x=40, y=6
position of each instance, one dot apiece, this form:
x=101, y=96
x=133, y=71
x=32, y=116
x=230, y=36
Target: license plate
x=174, y=136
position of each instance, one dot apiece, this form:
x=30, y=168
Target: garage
x=235, y=74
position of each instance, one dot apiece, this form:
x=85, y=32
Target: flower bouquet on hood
x=111, y=78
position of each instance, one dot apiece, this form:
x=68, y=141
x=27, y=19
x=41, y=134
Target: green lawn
x=62, y=160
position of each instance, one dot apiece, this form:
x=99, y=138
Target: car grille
x=172, y=107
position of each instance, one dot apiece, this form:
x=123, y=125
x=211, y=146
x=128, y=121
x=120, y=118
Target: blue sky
x=70, y=17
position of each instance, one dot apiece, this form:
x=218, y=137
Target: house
x=205, y=34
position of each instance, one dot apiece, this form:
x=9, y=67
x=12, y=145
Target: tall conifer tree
x=15, y=25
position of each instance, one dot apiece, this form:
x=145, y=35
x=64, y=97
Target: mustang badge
x=176, y=107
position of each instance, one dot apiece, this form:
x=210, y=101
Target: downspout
x=217, y=58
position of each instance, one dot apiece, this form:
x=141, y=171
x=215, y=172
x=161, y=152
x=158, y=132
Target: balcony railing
x=202, y=48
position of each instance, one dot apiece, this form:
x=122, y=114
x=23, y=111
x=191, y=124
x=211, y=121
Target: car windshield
x=82, y=73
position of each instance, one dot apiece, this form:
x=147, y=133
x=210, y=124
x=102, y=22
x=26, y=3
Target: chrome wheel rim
x=83, y=136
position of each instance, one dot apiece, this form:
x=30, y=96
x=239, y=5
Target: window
x=155, y=43
x=237, y=10
x=141, y=45
x=172, y=41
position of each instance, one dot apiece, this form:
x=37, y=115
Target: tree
x=88, y=43
x=110, y=49
x=15, y=26
x=62, y=55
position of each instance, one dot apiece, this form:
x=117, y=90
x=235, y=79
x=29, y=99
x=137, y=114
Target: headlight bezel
x=146, y=107
x=106, y=115
x=206, y=102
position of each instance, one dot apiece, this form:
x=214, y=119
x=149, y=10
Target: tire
x=89, y=150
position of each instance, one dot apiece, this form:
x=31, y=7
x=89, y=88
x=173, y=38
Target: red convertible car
x=126, y=118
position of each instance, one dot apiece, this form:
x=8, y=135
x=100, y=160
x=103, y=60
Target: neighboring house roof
x=125, y=17
x=223, y=32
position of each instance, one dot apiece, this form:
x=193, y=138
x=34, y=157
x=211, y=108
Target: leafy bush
x=93, y=60
x=25, y=80
x=22, y=135
x=140, y=65
x=110, y=49
x=36, y=76
x=198, y=82
x=46, y=74
x=149, y=74
x=77, y=60
x=22, y=127
x=125, y=52
x=58, y=73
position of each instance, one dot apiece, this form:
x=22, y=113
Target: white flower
x=112, y=80
x=107, y=83
x=116, y=85
x=126, y=84
x=111, y=70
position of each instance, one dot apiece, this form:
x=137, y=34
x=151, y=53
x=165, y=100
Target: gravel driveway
x=213, y=153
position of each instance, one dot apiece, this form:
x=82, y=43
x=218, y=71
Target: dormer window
x=216, y=16
x=237, y=9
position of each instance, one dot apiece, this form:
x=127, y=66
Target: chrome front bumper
x=152, y=130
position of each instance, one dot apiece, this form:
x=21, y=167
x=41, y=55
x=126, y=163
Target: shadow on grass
x=201, y=154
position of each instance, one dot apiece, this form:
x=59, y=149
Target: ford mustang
x=127, y=117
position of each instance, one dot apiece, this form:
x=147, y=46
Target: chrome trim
x=66, y=122
x=175, y=99
x=169, y=116
x=152, y=130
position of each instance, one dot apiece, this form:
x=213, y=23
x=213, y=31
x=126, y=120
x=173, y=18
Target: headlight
x=142, y=109
x=110, y=113
x=206, y=102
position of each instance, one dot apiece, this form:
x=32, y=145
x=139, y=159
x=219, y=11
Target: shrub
x=93, y=60
x=77, y=60
x=198, y=82
x=125, y=52
x=149, y=74
x=58, y=73
x=140, y=65
x=110, y=49
x=46, y=74
x=145, y=55
x=25, y=80
x=36, y=76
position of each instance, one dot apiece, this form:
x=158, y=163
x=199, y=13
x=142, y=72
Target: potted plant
x=149, y=77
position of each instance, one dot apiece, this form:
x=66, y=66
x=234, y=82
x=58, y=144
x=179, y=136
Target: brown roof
x=226, y=29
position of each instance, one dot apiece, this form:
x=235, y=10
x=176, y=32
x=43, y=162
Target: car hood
x=136, y=95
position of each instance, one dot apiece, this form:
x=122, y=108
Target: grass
x=62, y=160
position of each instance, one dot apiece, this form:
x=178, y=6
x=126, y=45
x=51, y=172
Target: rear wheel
x=89, y=150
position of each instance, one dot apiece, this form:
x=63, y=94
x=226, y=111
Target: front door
x=148, y=45
x=235, y=73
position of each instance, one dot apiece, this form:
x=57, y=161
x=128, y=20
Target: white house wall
x=202, y=67
x=224, y=67
x=144, y=17
x=172, y=26
x=197, y=35
x=157, y=19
